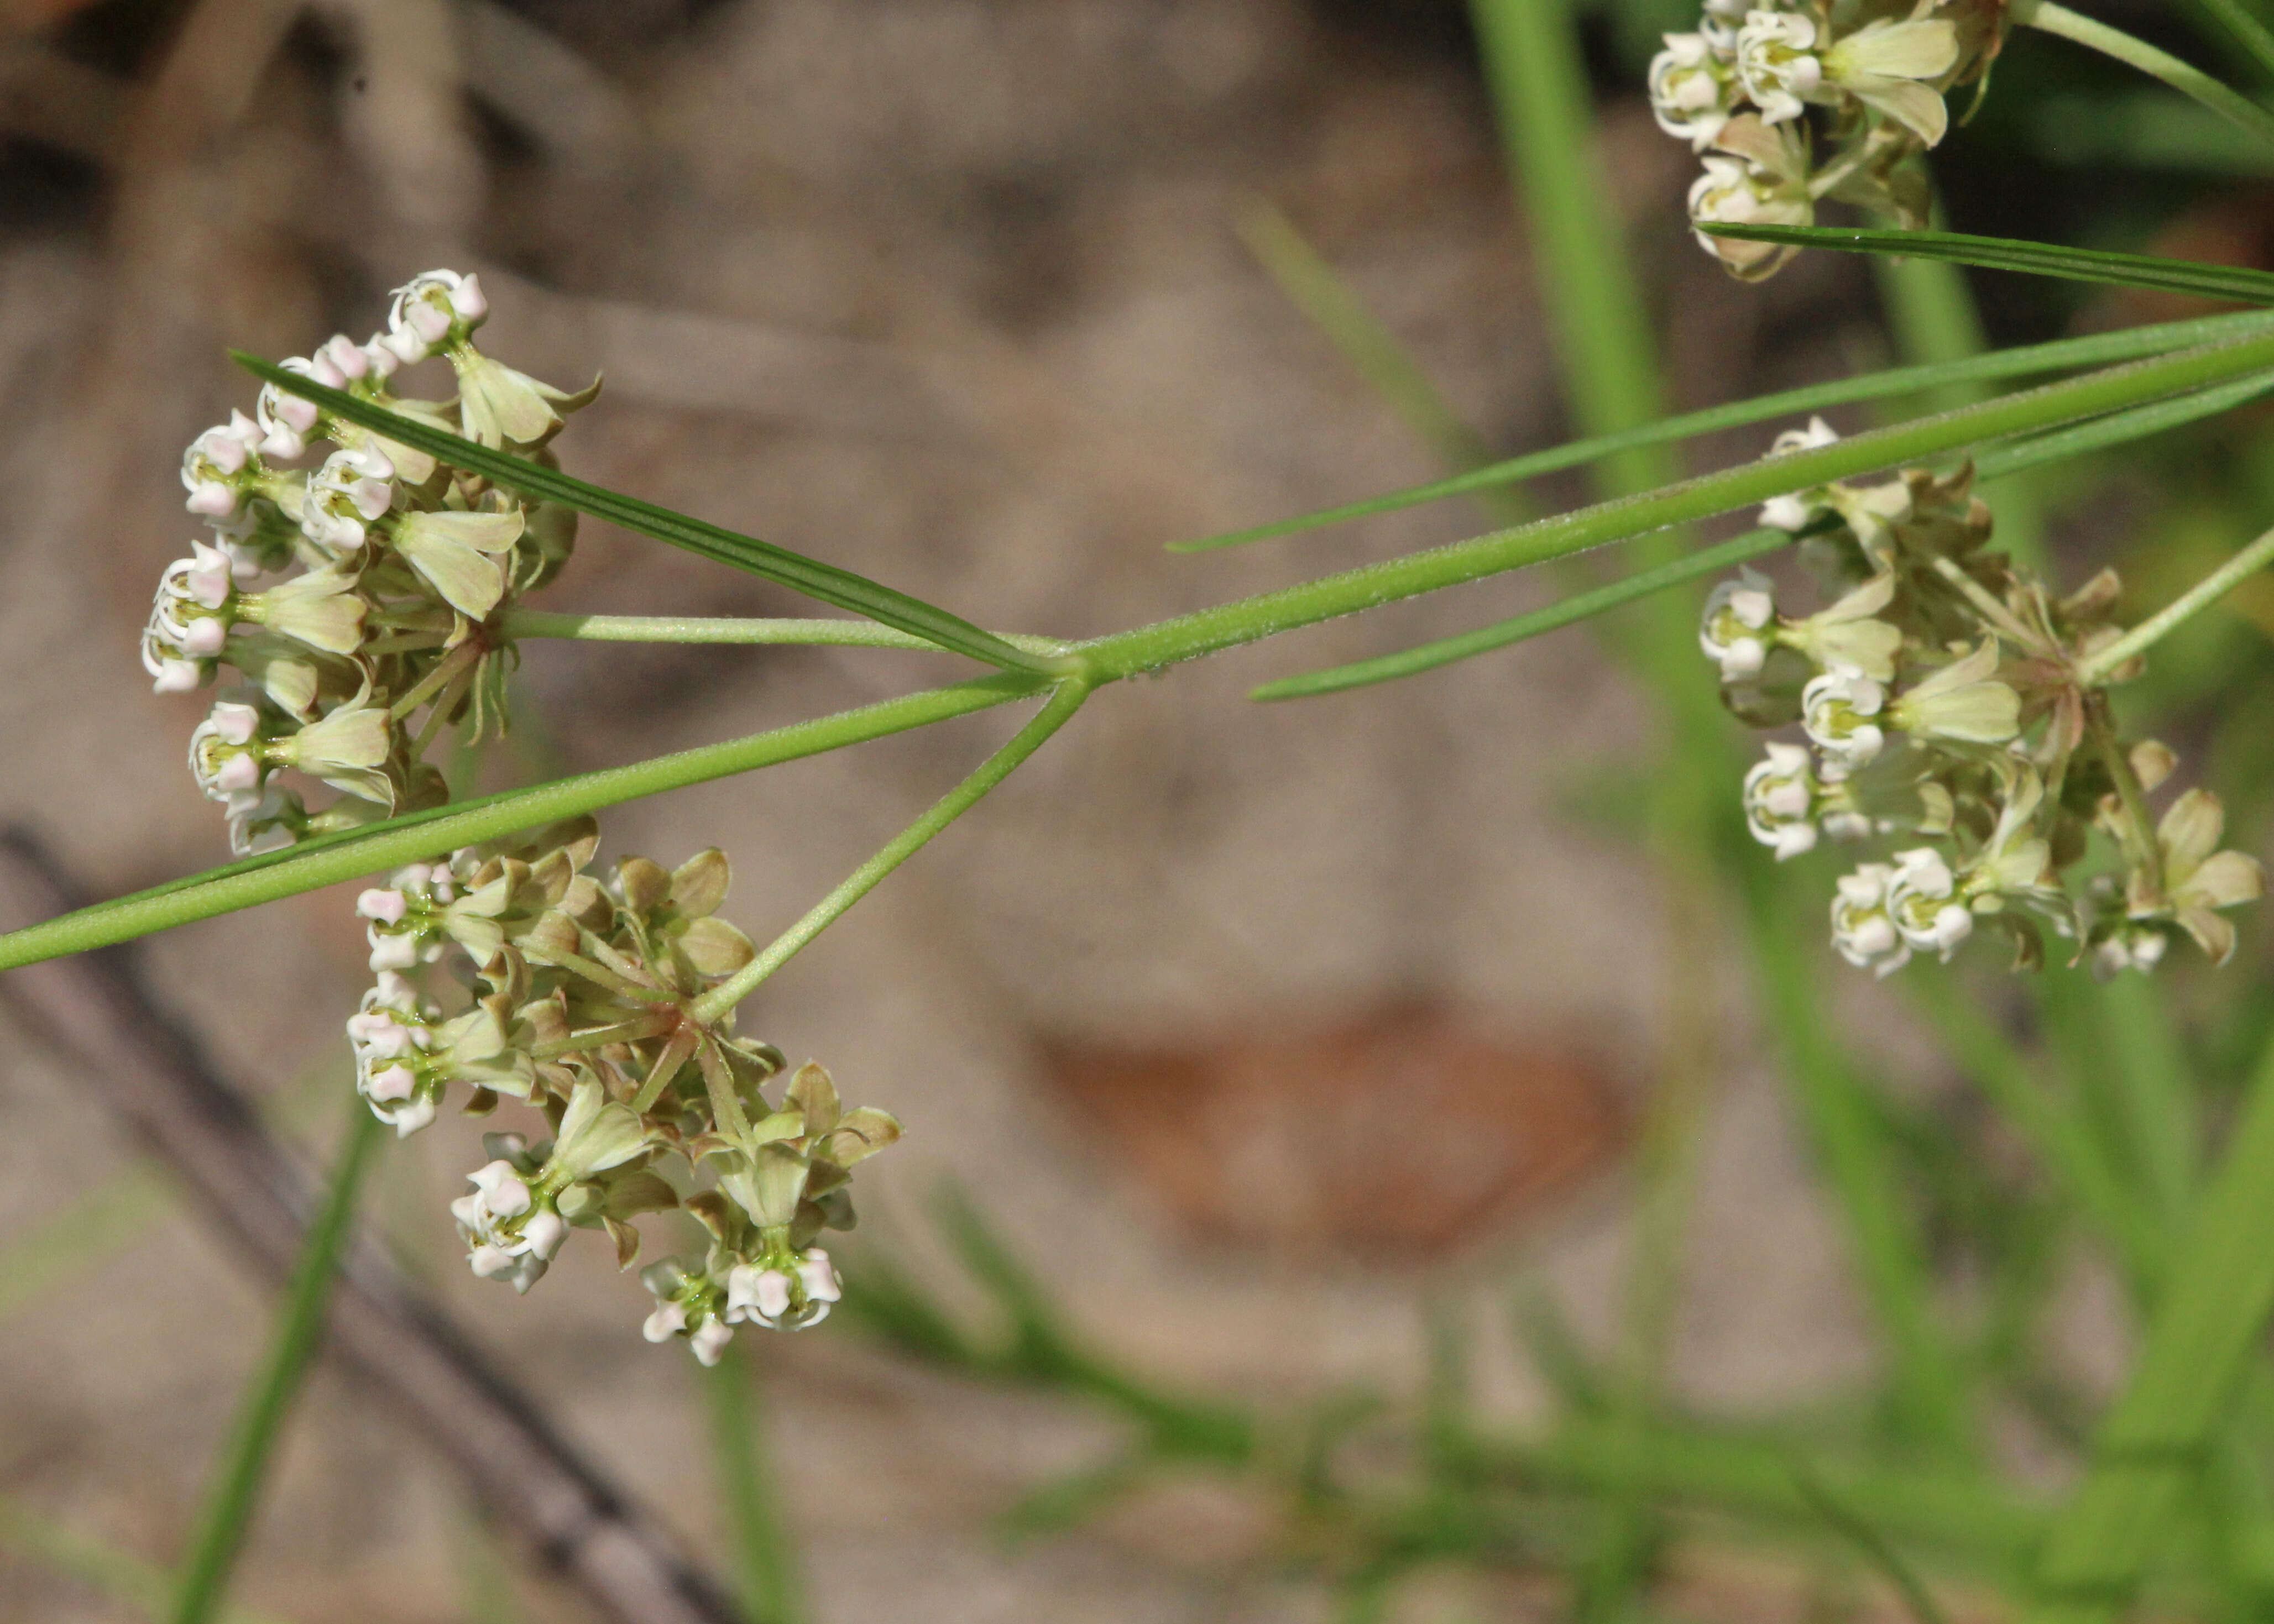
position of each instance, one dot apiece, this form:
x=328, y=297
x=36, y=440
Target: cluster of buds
x=1740, y=90
x=583, y=1000
x=353, y=595
x=1949, y=700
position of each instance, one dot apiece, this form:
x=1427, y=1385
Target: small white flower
x=509, y=1234
x=284, y=419
x=213, y=469
x=1795, y=511
x=2132, y=947
x=353, y=488
x=343, y=359
x=1778, y=64
x=709, y=1343
x=1693, y=91
x=1736, y=629
x=1756, y=176
x=1860, y=930
x=758, y=1294
x=226, y=751
x=431, y=311
x=2200, y=879
x=1780, y=801
x=268, y=821
x=1837, y=709
x=386, y=906
x=818, y=1278
x=667, y=1321
x=1922, y=900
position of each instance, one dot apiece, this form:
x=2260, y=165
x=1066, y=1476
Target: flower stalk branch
x=2183, y=77
x=2179, y=612
x=1065, y=700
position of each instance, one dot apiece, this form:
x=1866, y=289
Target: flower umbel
x=1940, y=698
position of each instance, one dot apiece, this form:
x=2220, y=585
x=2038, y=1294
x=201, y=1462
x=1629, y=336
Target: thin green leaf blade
x=2006, y=253
x=2013, y=457
x=824, y=582
x=1564, y=611
x=2099, y=350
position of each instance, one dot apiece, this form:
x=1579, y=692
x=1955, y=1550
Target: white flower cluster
x=580, y=1002
x=1739, y=89
x=705, y=1308
x=1939, y=699
x=404, y=566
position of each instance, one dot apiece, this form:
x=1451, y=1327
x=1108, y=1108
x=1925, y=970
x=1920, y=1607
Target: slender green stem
x=2184, y=78
x=1066, y=699
x=2179, y=610
x=693, y=628
x=766, y=1552
x=229, y=1511
x=2239, y=29
x=2157, y=1438
x=328, y=860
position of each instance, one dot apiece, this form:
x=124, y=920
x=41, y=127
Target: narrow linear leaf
x=1313, y=286
x=1869, y=1543
x=810, y=576
x=2014, y=457
x=330, y=859
x=2101, y=349
x=2230, y=22
x=2006, y=253
x=1579, y=606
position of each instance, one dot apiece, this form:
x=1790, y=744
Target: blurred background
x=1265, y=1039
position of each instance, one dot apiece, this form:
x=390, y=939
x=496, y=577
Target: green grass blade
x=332, y=858
x=2133, y=344
x=1929, y=1388
x=228, y=1512
x=2005, y=253
x=765, y=1550
x=1869, y=1543
x=121, y=1577
x=1997, y=1067
x=2231, y=24
x=2184, y=77
x=1998, y=462
x=2207, y=1327
x=815, y=579
x=1312, y=287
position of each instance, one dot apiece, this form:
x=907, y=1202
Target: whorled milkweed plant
x=363, y=588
